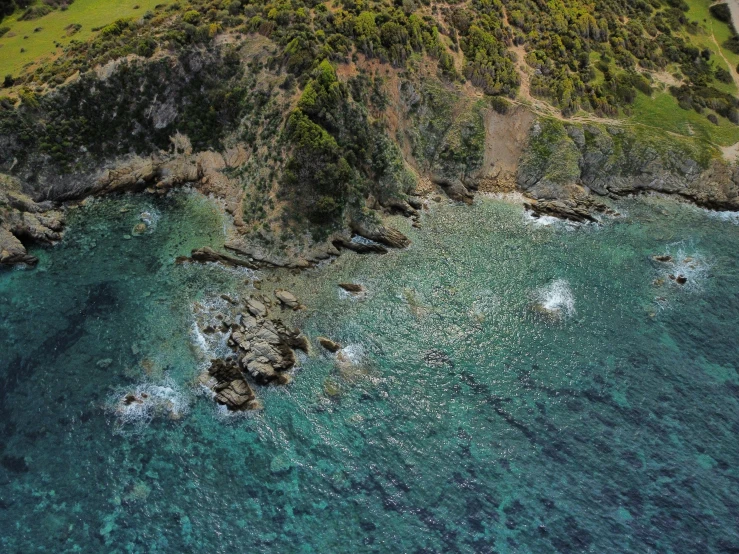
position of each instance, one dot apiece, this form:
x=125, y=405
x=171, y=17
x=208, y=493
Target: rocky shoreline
x=574, y=190
x=22, y=219
x=264, y=349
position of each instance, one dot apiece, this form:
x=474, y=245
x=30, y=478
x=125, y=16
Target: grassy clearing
x=54, y=35
x=699, y=12
x=661, y=111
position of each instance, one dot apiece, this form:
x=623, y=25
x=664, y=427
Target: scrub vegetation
x=346, y=100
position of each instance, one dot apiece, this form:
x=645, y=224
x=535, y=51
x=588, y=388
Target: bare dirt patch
x=505, y=139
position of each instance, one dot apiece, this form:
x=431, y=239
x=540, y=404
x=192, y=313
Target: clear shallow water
x=468, y=421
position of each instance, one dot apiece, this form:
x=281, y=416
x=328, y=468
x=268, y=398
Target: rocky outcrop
x=717, y=188
x=256, y=307
x=381, y=234
x=22, y=218
x=579, y=208
x=226, y=381
x=359, y=247
x=12, y=252
x=207, y=254
x=328, y=344
x=454, y=189
x=287, y=299
x=565, y=165
x=352, y=287
x=265, y=348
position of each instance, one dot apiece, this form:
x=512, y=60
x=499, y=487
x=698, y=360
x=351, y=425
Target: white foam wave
x=204, y=312
x=731, y=217
x=358, y=239
x=509, y=197
x=556, y=299
x=353, y=353
x=239, y=271
x=692, y=267
x=134, y=408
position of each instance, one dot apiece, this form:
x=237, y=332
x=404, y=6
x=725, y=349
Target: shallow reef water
x=505, y=385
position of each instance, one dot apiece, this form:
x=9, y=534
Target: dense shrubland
x=594, y=56
x=320, y=144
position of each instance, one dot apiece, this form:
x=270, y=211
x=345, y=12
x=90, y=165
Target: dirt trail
x=732, y=69
x=540, y=107
x=544, y=108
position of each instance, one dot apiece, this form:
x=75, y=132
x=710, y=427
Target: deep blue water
x=462, y=419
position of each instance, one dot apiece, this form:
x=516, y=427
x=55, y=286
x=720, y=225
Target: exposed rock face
x=287, y=299
x=564, y=164
x=227, y=382
x=22, y=218
x=265, y=348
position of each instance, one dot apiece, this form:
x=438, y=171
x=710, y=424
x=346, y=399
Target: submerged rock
x=664, y=258
x=679, y=279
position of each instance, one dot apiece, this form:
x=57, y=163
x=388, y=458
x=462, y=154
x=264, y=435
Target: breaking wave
x=556, y=299
x=683, y=270
x=134, y=408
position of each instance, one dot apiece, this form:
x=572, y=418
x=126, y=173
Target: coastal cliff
x=308, y=141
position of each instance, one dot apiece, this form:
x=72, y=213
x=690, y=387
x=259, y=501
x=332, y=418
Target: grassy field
x=662, y=112
x=709, y=25
x=39, y=38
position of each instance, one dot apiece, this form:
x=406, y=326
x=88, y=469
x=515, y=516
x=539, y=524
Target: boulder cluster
x=225, y=379
x=23, y=219
x=264, y=352
x=265, y=348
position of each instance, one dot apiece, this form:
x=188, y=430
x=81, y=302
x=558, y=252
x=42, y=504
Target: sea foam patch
x=134, y=408
x=555, y=299
x=207, y=331
x=681, y=268
x=731, y=217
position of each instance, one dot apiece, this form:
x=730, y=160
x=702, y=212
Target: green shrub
x=192, y=17
x=500, y=104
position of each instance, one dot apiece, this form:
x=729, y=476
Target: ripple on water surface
x=455, y=419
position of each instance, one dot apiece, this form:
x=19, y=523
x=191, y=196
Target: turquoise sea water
x=461, y=419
